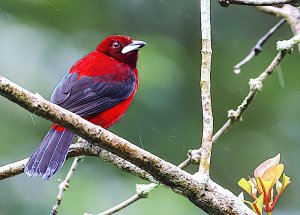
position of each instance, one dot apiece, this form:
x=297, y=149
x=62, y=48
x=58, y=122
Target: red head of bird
x=121, y=48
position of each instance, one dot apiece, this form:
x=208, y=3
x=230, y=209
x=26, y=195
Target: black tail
x=50, y=155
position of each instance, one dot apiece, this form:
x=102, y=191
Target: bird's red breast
x=97, y=64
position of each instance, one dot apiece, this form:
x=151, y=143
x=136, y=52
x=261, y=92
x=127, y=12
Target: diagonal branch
x=227, y=3
x=207, y=195
x=93, y=133
x=258, y=47
x=255, y=87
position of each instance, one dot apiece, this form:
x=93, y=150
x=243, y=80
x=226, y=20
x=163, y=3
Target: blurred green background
x=40, y=40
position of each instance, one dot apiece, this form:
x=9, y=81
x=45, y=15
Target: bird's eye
x=116, y=45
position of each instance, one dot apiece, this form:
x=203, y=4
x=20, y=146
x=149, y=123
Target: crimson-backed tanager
x=99, y=88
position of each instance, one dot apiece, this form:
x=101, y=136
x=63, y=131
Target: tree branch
x=227, y=3
x=207, y=195
x=276, y=11
x=12, y=169
x=258, y=47
x=63, y=186
x=80, y=148
x=288, y=12
x=288, y=44
x=121, y=206
x=207, y=133
x=255, y=87
x=142, y=191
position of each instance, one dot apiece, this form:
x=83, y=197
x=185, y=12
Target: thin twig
x=258, y=46
x=227, y=3
x=206, y=52
x=185, y=163
x=237, y=67
x=64, y=185
x=255, y=87
x=142, y=191
x=122, y=205
x=222, y=130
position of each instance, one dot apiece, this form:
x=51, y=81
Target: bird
x=99, y=88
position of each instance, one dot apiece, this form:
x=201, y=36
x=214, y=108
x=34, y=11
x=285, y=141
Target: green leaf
x=243, y=183
x=259, y=203
x=285, y=181
x=251, y=204
x=263, y=186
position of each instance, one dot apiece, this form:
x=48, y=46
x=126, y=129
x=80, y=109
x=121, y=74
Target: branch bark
x=207, y=133
x=227, y=3
x=80, y=148
x=205, y=194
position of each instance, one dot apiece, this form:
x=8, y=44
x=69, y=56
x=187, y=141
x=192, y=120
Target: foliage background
x=40, y=40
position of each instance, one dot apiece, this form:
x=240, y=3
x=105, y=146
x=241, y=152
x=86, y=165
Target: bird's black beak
x=135, y=45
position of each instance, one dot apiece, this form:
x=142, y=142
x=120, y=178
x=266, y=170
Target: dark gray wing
x=88, y=96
